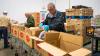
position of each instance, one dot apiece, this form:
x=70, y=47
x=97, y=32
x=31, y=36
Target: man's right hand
x=40, y=25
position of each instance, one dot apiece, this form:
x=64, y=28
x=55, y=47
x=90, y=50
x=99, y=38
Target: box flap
x=52, y=49
x=80, y=52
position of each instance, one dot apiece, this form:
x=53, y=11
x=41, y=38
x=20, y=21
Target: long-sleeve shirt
x=55, y=22
x=4, y=21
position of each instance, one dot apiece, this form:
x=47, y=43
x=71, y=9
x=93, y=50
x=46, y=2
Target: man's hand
x=40, y=25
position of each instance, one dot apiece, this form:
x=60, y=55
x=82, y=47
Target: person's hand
x=40, y=25
x=45, y=27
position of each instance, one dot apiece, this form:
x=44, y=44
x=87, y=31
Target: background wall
x=17, y=8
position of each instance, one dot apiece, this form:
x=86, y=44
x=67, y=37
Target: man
x=4, y=25
x=30, y=20
x=54, y=20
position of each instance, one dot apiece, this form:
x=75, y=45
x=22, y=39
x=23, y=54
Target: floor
x=5, y=52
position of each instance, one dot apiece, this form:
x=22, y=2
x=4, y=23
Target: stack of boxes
x=36, y=16
x=78, y=18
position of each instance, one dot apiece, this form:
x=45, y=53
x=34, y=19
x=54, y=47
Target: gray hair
x=51, y=4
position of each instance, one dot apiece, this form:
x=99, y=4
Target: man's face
x=51, y=9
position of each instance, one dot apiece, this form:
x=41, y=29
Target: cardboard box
x=52, y=37
x=79, y=27
x=15, y=32
x=50, y=50
x=35, y=31
x=36, y=16
x=79, y=12
x=37, y=41
x=28, y=31
x=80, y=52
x=28, y=40
x=67, y=41
x=21, y=35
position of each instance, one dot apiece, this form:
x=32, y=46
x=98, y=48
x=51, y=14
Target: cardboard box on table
x=28, y=41
x=37, y=41
x=29, y=32
x=21, y=35
x=51, y=37
x=36, y=16
x=15, y=30
x=35, y=31
x=68, y=43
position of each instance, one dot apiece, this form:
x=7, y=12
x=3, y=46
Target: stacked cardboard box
x=36, y=16
x=78, y=18
x=79, y=12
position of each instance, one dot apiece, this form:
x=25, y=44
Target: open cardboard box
x=67, y=43
x=33, y=32
x=50, y=50
x=49, y=38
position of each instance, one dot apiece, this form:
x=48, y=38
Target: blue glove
x=40, y=25
x=45, y=27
